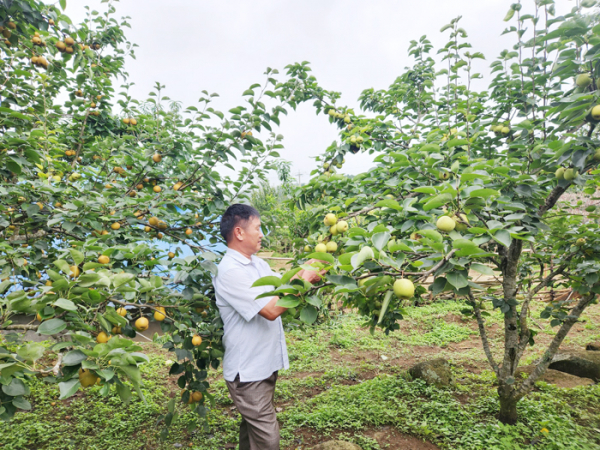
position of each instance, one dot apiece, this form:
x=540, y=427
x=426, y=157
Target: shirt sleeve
x=234, y=286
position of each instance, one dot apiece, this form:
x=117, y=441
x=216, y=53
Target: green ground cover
x=343, y=382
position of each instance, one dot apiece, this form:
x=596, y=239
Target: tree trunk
x=508, y=409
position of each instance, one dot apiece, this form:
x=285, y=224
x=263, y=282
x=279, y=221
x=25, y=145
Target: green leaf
x=437, y=201
x=434, y=235
x=88, y=279
x=343, y=280
x=457, y=142
x=389, y=203
x=322, y=257
x=366, y=254
x=289, y=274
x=384, y=306
x=74, y=357
x=52, y=326
x=438, y=285
x=124, y=392
x=289, y=301
x=457, y=279
x=65, y=304
x=482, y=269
x=114, y=318
x=502, y=237
x=21, y=403
x=122, y=278
x=68, y=388
x=77, y=256
x=132, y=372
x=13, y=167
x=314, y=300
x=485, y=193
x=63, y=266
x=466, y=247
x=380, y=239
x=308, y=314
x=15, y=387
x=425, y=190
x=267, y=281
x=31, y=352
x=357, y=231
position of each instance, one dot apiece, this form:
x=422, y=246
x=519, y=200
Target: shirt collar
x=238, y=256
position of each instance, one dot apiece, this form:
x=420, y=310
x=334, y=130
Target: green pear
x=331, y=247
x=330, y=219
x=583, y=80
x=570, y=174
x=321, y=248
x=462, y=222
x=342, y=226
x=446, y=223
x=404, y=288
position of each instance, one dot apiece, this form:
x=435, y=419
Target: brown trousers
x=259, y=429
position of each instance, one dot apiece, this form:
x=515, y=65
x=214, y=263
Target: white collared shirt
x=254, y=346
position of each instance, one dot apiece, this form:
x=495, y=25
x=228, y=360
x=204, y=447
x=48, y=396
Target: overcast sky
x=224, y=46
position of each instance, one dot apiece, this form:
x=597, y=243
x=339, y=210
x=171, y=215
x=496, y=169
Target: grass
x=343, y=382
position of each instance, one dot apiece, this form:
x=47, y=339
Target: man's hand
x=312, y=276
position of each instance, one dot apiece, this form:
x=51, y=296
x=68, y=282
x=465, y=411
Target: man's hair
x=234, y=216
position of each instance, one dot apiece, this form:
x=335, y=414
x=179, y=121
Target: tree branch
x=540, y=369
x=483, y=335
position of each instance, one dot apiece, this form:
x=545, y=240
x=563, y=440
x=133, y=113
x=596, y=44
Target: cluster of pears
x=194, y=397
x=583, y=81
x=356, y=140
x=340, y=116
x=458, y=221
x=74, y=176
x=566, y=174
x=335, y=227
x=66, y=46
x=130, y=121
x=501, y=129
x=39, y=61
x=328, y=166
x=36, y=60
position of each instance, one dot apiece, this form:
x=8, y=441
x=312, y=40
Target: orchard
x=99, y=193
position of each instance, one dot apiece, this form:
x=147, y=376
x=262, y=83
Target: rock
x=594, y=346
x=337, y=445
x=436, y=372
x=551, y=376
x=580, y=363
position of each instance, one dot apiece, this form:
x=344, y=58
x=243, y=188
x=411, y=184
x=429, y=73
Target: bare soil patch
x=387, y=437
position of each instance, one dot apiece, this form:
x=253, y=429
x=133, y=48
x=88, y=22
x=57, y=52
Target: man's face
x=253, y=235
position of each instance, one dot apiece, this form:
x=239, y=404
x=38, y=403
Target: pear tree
x=109, y=206
x=467, y=181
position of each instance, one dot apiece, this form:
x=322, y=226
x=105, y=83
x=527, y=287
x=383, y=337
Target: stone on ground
x=580, y=363
x=560, y=379
x=435, y=372
x=337, y=445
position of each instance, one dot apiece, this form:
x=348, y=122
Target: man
x=255, y=348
